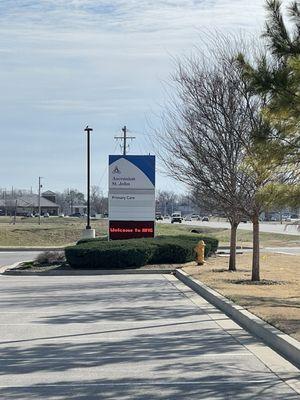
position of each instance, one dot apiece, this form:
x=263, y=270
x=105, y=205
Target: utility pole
x=124, y=138
x=5, y=204
x=15, y=213
x=39, y=199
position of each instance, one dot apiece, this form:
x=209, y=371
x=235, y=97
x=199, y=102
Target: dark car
x=158, y=217
x=77, y=215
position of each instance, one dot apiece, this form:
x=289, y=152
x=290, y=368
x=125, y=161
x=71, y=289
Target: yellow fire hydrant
x=200, y=250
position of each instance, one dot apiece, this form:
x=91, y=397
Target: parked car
x=188, y=218
x=176, y=217
x=77, y=215
x=158, y=216
x=205, y=219
x=275, y=218
x=195, y=217
x=46, y=215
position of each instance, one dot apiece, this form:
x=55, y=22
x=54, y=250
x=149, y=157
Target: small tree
x=275, y=76
x=99, y=203
x=233, y=214
x=200, y=142
x=273, y=79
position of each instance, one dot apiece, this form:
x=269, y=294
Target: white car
x=176, y=217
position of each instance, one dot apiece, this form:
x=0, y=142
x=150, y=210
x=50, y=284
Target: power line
x=106, y=168
x=144, y=145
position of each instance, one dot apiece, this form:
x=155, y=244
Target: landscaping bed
x=276, y=299
x=103, y=254
x=65, y=269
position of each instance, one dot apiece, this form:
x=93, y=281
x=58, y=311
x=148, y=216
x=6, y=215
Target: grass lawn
x=51, y=232
x=65, y=231
x=244, y=238
x=277, y=303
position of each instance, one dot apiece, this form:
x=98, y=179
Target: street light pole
x=88, y=131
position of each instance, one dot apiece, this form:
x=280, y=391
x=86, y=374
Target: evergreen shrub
x=103, y=254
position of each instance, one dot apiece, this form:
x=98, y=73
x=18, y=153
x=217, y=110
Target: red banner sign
x=130, y=229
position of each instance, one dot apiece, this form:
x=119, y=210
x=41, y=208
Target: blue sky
x=69, y=63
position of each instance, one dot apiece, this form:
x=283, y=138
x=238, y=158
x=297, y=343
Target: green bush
x=97, y=253
x=213, y=242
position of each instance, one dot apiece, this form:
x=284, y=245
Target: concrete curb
x=7, y=268
x=273, y=337
x=237, y=247
x=87, y=272
x=13, y=270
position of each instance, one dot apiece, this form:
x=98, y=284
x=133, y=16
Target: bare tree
x=99, y=203
x=213, y=139
x=165, y=201
x=200, y=139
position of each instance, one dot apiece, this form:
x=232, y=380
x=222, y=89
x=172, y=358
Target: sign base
x=88, y=234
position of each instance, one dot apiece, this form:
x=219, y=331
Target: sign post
x=131, y=198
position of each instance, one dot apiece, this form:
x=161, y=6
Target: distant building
x=51, y=196
x=28, y=204
x=79, y=208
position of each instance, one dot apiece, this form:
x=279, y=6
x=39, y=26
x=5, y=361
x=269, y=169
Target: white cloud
x=68, y=62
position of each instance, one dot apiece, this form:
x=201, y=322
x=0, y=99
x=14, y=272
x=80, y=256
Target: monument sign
x=131, y=198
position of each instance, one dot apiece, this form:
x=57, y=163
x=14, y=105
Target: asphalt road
x=11, y=257
x=264, y=226
x=279, y=250
x=283, y=250
x=127, y=337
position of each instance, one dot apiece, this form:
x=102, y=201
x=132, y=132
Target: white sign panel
x=131, y=207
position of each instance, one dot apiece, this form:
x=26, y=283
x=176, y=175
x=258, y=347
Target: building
x=49, y=195
x=28, y=204
x=79, y=209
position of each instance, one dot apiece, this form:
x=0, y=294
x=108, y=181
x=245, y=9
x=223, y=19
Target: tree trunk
x=255, y=257
x=232, y=258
